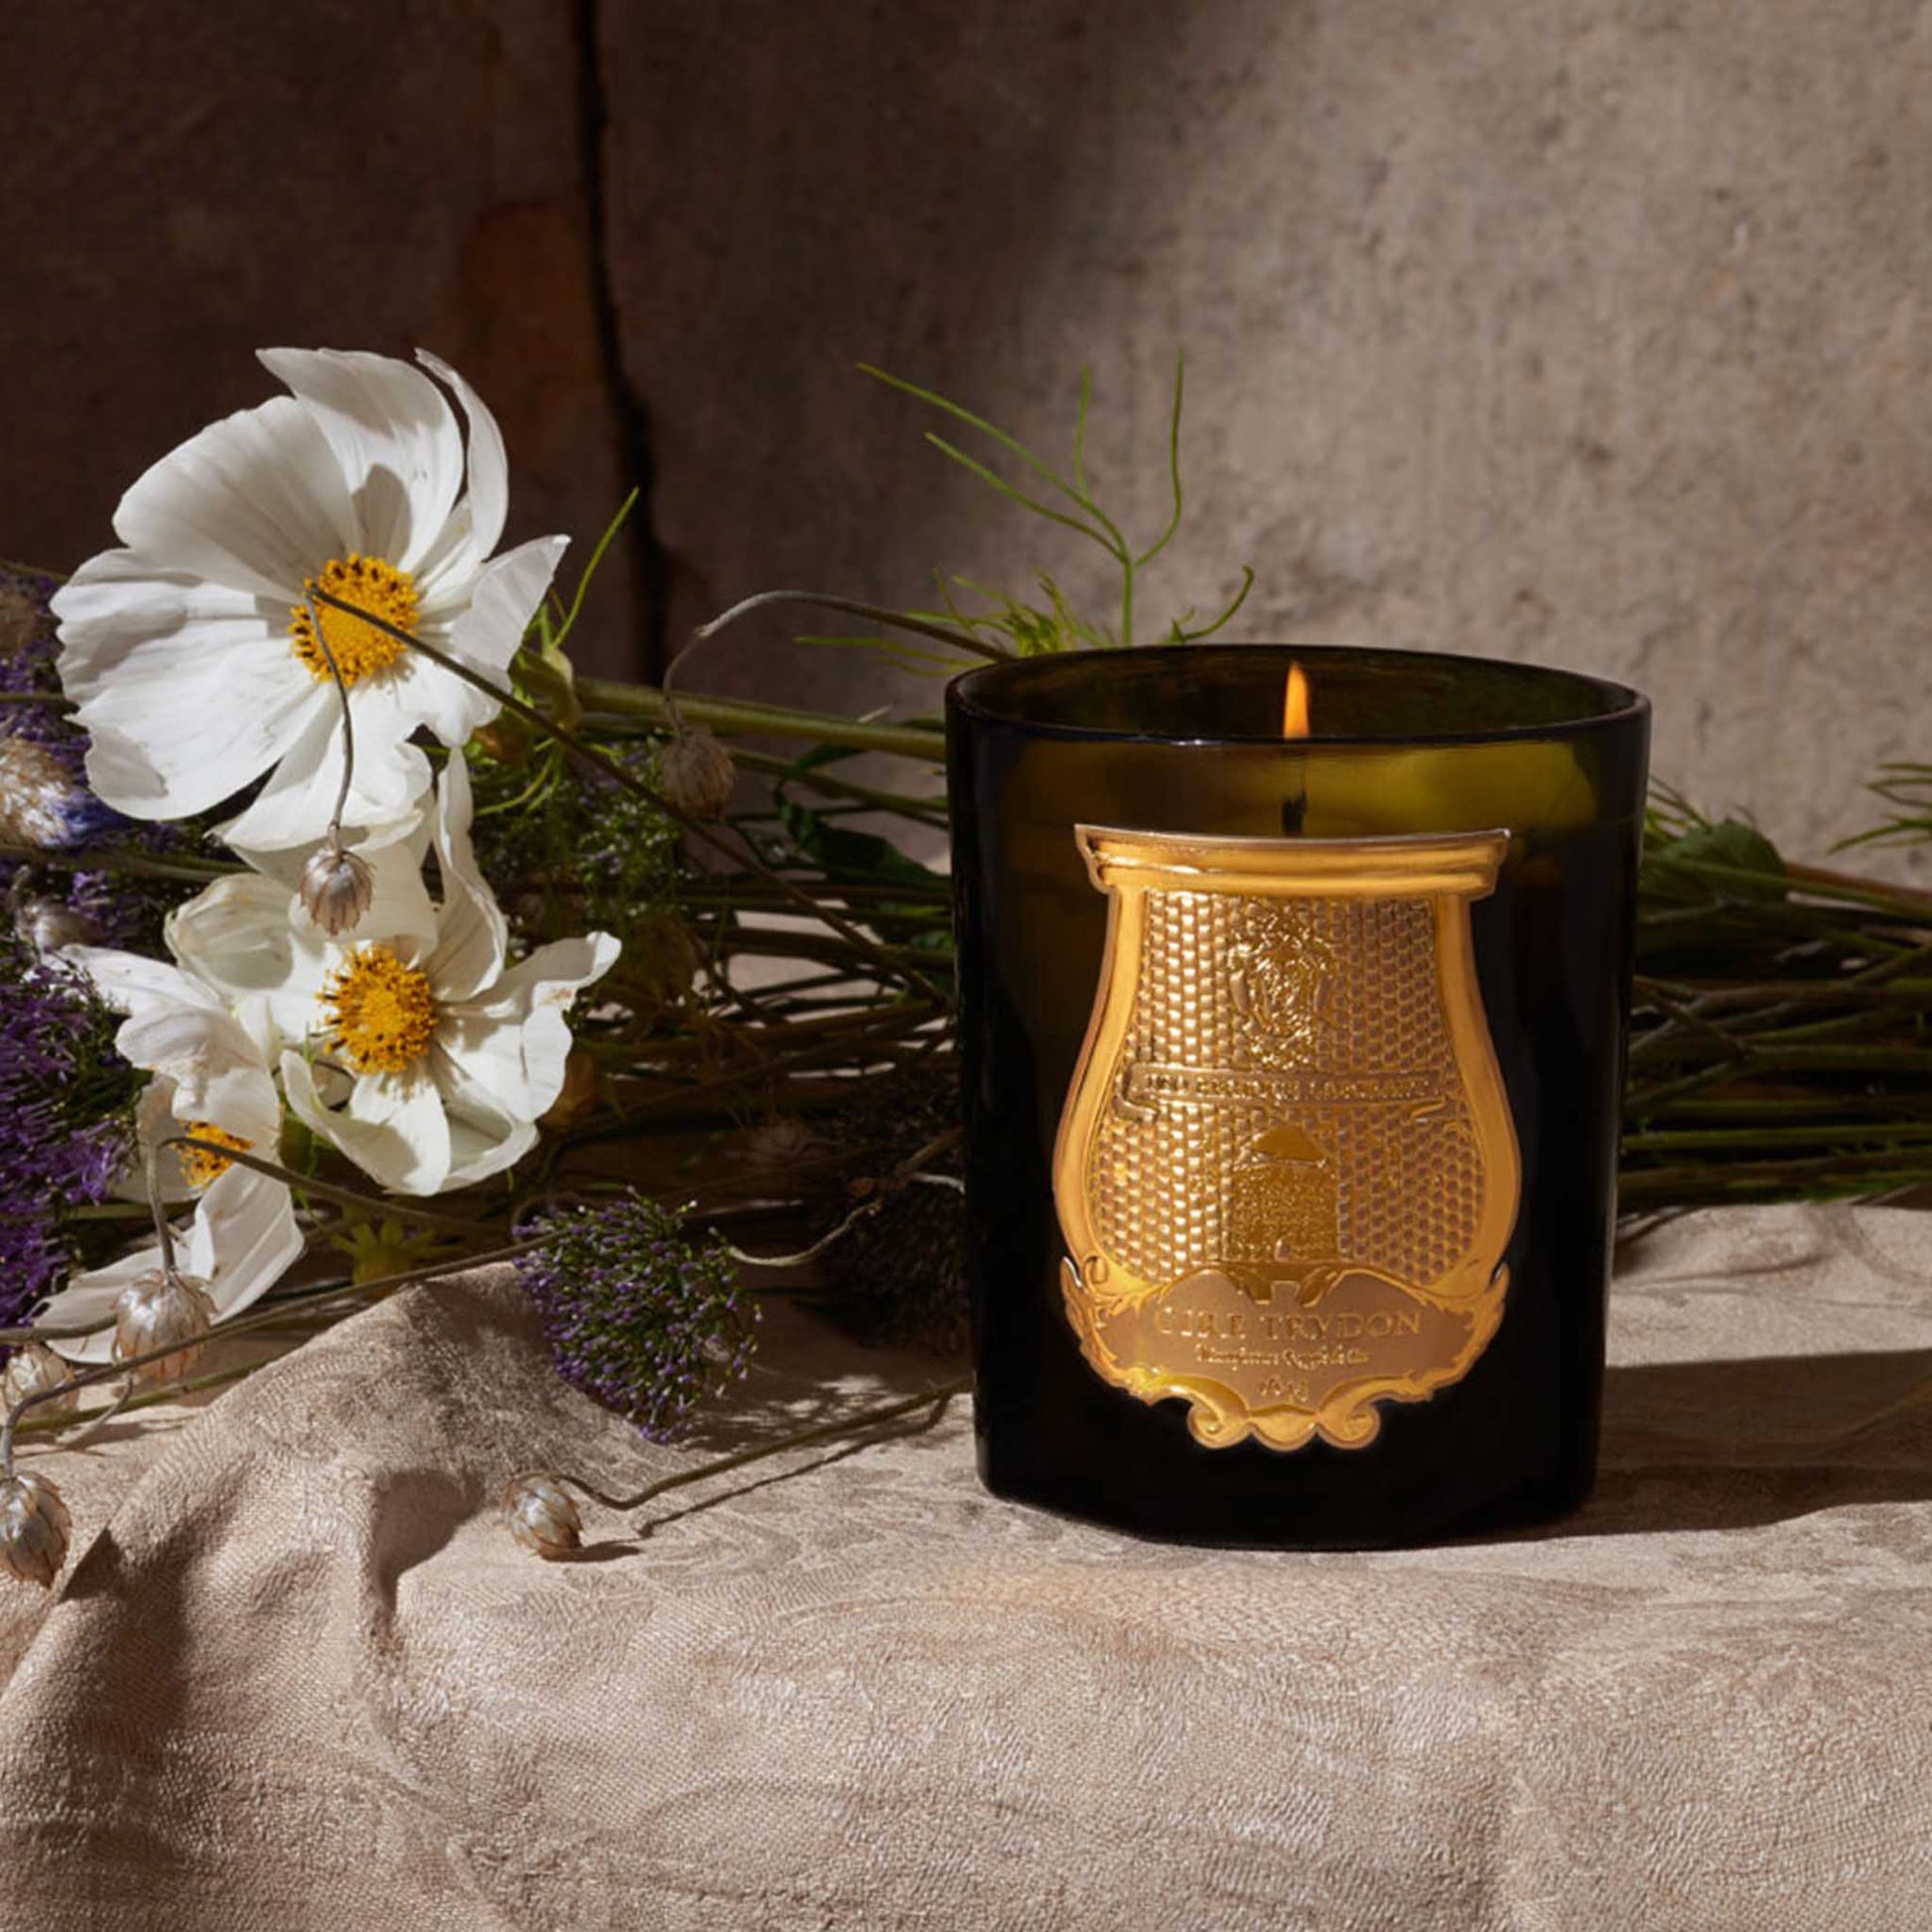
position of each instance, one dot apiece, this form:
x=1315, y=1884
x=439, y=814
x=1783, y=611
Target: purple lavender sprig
x=637, y=1315
x=65, y=1118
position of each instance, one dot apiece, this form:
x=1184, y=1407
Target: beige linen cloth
x=300, y=1677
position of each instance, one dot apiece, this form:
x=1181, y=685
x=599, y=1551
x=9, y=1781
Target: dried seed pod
x=695, y=772
x=45, y=926
x=40, y=802
x=31, y=1368
x=336, y=887
x=661, y=959
x=159, y=1310
x=34, y=1529
x=541, y=1516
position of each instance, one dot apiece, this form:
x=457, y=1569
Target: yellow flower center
x=198, y=1167
x=358, y=647
x=383, y=1013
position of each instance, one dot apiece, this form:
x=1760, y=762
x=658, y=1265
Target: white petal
x=451, y=707
x=180, y=1028
x=501, y=603
x=236, y=1096
x=393, y=436
x=132, y=983
x=217, y=1072
x=153, y=1122
x=256, y=501
x=393, y=1128
x=476, y=1152
x=119, y=601
x=245, y=1238
x=189, y=692
x=490, y=487
x=472, y=936
x=295, y=806
x=485, y=636
x=485, y=1137
x=237, y=937
x=284, y=864
x=512, y=1043
x=89, y=1299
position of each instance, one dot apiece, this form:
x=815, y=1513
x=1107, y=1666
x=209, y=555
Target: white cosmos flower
x=210, y=1081
x=190, y=651
x=410, y=1042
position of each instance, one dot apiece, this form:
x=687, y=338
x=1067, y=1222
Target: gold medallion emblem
x=1286, y=1170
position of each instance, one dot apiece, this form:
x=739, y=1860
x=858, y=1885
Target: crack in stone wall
x=650, y=595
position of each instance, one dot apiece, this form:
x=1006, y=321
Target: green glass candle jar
x=1292, y=1072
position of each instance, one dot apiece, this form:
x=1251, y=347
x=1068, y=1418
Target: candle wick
x=1293, y=811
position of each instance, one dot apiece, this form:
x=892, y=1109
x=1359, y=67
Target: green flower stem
x=1826, y=880
x=53, y=700
x=1892, y=991
x=397, y=1207
x=619, y=700
x=651, y=1110
x=799, y=1257
x=936, y=1398
x=195, y=1385
x=1818, y=1107
x=769, y=941
x=848, y=607
x=901, y=892
x=1816, y=1059
x=347, y=713
x=135, y=865
x=776, y=1040
x=1825, y=1178
x=833, y=786
x=740, y=853
x=1893, y=1133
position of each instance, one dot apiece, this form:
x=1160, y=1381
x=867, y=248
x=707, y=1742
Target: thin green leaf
x=1173, y=466
x=603, y=544
x=993, y=481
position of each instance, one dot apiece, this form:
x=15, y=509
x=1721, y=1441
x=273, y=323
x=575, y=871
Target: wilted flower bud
x=336, y=887
x=34, y=1529
x=32, y=1367
x=695, y=773
x=505, y=739
x=542, y=1516
x=578, y=1094
x=45, y=926
x=155, y=1311
x=40, y=802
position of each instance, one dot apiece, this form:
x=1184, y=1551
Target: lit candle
x=1292, y=1062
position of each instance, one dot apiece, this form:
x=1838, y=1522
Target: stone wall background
x=1585, y=330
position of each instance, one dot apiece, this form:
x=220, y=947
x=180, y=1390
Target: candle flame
x=1295, y=704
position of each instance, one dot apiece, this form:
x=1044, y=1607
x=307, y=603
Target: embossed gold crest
x=1287, y=1171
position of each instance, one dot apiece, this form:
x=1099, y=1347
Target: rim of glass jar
x=1621, y=705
